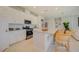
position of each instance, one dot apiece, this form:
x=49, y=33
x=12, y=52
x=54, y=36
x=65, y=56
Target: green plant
x=66, y=26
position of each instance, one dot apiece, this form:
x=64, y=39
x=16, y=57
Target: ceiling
x=49, y=11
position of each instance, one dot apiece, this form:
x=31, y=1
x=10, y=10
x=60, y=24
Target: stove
x=29, y=33
x=29, y=30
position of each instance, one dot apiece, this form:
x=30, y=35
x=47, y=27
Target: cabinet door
x=49, y=44
x=4, y=41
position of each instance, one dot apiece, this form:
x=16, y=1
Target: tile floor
x=23, y=46
x=28, y=46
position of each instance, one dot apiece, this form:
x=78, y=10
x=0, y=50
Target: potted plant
x=66, y=26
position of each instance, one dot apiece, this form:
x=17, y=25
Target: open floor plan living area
x=39, y=28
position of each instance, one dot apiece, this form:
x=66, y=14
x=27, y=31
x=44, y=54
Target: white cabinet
x=43, y=41
x=7, y=38
x=49, y=44
x=4, y=41
x=16, y=36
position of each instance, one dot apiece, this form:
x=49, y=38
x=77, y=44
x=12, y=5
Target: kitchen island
x=43, y=40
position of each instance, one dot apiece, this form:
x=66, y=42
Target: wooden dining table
x=62, y=39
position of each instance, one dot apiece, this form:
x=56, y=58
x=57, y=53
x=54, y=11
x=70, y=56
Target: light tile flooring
x=28, y=46
x=23, y=46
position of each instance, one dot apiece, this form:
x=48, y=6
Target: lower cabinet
x=43, y=40
x=16, y=36
x=49, y=44
x=4, y=41
x=12, y=37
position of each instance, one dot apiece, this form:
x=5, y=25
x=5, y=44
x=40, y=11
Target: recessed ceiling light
x=56, y=8
x=42, y=11
x=34, y=6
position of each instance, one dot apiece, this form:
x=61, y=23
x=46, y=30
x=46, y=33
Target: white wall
x=73, y=20
x=13, y=15
x=35, y=19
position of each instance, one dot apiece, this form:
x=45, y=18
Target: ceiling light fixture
x=42, y=11
x=34, y=6
x=56, y=8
